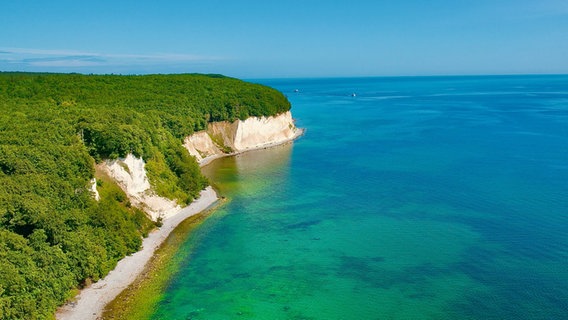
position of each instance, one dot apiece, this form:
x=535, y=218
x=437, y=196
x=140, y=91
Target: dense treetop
x=54, y=128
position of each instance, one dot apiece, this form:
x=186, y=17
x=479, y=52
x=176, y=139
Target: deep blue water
x=417, y=198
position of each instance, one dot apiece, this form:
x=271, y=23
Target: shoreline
x=91, y=301
x=207, y=160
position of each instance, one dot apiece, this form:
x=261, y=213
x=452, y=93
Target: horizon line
x=293, y=77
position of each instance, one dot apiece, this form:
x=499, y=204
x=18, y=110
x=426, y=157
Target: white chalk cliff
x=220, y=139
x=130, y=175
x=94, y=190
x=224, y=138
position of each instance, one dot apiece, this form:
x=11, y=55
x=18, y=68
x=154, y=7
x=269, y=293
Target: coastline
x=207, y=160
x=91, y=301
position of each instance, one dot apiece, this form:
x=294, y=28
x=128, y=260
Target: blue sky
x=309, y=38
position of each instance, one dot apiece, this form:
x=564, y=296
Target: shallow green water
x=420, y=198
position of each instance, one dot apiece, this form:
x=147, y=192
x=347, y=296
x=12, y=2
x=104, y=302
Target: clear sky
x=264, y=38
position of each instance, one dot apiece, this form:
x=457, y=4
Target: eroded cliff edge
x=228, y=138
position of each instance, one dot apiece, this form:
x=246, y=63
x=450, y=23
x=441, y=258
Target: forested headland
x=54, y=128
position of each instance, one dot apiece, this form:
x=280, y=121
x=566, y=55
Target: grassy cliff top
x=196, y=97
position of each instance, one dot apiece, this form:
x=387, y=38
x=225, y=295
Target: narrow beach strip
x=91, y=301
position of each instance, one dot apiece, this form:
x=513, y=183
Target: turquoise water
x=419, y=198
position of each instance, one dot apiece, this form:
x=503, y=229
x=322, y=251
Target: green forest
x=54, y=128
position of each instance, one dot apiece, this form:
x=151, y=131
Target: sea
x=406, y=198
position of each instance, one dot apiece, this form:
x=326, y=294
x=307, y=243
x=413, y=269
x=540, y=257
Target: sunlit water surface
x=417, y=198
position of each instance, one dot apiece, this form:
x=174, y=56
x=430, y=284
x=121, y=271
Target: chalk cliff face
x=255, y=133
x=130, y=175
x=94, y=190
x=201, y=146
x=222, y=138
